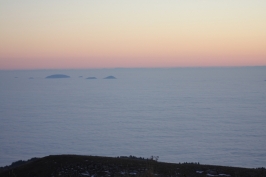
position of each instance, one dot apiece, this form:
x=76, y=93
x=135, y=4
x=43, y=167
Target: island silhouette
x=91, y=78
x=110, y=77
x=57, y=76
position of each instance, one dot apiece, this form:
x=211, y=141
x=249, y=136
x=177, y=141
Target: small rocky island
x=57, y=76
x=110, y=77
x=91, y=78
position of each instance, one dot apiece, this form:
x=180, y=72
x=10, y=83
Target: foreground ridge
x=94, y=166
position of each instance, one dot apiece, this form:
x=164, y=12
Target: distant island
x=110, y=77
x=91, y=78
x=57, y=76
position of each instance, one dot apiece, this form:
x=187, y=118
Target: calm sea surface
x=207, y=115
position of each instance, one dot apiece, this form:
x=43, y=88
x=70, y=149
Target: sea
x=214, y=115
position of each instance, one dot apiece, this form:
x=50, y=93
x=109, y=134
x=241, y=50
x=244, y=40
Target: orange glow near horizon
x=135, y=34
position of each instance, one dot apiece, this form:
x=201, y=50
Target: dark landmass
x=91, y=78
x=31, y=78
x=57, y=76
x=110, y=77
x=80, y=76
x=75, y=165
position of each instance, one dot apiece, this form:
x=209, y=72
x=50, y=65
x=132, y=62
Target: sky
x=65, y=34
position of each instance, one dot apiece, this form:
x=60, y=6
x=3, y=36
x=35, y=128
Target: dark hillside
x=74, y=165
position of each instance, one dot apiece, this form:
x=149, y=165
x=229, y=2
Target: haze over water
x=207, y=115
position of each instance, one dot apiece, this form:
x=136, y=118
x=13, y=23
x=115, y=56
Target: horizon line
x=176, y=67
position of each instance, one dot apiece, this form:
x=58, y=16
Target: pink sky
x=66, y=34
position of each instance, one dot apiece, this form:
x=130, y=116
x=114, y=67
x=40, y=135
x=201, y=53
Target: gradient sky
x=141, y=33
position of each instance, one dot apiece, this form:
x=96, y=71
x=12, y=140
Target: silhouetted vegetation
x=18, y=163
